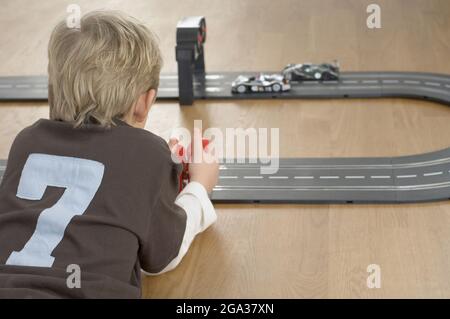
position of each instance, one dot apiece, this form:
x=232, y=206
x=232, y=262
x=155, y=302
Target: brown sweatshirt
x=101, y=199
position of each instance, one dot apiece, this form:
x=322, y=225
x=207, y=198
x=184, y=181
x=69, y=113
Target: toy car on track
x=311, y=72
x=261, y=83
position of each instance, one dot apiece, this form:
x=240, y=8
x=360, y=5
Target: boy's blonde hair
x=98, y=71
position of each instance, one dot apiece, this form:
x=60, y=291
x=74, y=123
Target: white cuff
x=198, y=190
x=200, y=214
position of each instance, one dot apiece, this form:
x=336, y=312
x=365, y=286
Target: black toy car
x=261, y=83
x=311, y=72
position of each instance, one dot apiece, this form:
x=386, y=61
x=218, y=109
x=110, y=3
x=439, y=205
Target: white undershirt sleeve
x=200, y=214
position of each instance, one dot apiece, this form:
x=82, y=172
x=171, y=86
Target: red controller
x=185, y=159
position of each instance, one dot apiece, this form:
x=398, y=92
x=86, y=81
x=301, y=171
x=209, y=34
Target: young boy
x=89, y=190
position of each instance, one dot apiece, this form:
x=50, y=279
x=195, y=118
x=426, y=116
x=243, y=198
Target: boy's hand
x=176, y=149
x=172, y=143
x=204, y=167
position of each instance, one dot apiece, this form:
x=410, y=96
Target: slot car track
x=416, y=178
x=218, y=86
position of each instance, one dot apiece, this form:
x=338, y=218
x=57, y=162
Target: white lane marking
x=433, y=83
x=40, y=85
x=279, y=177
x=370, y=81
x=444, y=160
x=411, y=82
x=20, y=86
x=253, y=177
x=214, y=76
x=169, y=76
x=5, y=86
x=407, y=176
x=213, y=89
x=433, y=174
x=391, y=81
x=329, y=177
x=228, y=177
x=350, y=82
x=380, y=176
x=338, y=188
x=355, y=177
x=447, y=85
x=168, y=89
x=303, y=177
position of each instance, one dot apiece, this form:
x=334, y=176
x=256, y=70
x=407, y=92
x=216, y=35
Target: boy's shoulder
x=146, y=141
x=147, y=137
x=122, y=136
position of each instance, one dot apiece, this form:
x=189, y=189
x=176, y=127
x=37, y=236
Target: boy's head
x=106, y=69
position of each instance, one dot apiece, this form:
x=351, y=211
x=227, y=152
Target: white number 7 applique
x=81, y=179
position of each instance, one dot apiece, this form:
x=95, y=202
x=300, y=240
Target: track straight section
x=218, y=86
x=340, y=180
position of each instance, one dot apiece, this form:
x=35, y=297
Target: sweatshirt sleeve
x=175, y=221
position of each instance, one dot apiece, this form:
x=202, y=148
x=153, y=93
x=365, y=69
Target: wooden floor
x=292, y=251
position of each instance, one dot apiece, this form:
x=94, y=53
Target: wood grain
x=292, y=251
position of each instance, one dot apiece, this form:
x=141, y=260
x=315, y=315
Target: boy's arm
x=175, y=221
x=200, y=214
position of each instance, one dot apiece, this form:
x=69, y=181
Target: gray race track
x=218, y=86
x=424, y=177
x=417, y=178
